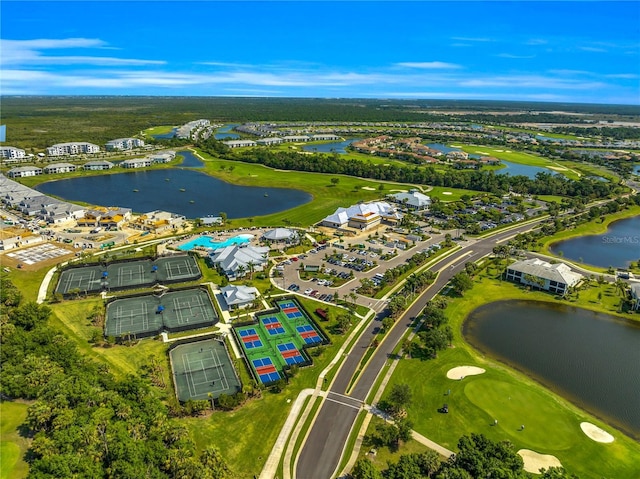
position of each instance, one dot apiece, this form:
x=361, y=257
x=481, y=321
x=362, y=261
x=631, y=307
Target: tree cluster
x=84, y=420
x=477, y=457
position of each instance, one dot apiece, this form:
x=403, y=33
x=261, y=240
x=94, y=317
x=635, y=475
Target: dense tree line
x=477, y=457
x=84, y=420
x=543, y=184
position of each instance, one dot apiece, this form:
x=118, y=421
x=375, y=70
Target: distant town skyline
x=580, y=52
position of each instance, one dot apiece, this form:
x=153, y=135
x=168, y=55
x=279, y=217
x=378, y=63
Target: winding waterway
x=590, y=358
x=178, y=190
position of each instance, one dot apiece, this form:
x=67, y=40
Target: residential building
x=164, y=157
x=325, y=137
x=414, y=200
x=185, y=131
x=237, y=261
x=158, y=221
x=12, y=152
x=239, y=143
x=239, y=297
x=72, y=148
x=97, y=165
x=23, y=171
x=296, y=139
x=136, y=163
x=124, y=144
x=555, y=278
x=59, y=168
x=269, y=141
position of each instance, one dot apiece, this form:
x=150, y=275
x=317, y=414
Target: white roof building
x=22, y=171
x=124, y=144
x=414, y=199
x=237, y=260
x=11, y=152
x=97, y=165
x=280, y=234
x=136, y=163
x=72, y=148
x=556, y=278
x=239, y=296
x=362, y=216
x=296, y=138
x=59, y=168
x=239, y=143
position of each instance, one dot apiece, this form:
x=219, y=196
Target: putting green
x=516, y=406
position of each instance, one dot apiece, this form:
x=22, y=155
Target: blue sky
x=540, y=51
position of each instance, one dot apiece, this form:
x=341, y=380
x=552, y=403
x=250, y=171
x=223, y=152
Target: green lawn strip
x=552, y=423
x=547, y=134
x=327, y=197
x=28, y=282
x=593, y=227
x=385, y=456
x=157, y=130
x=551, y=198
x=13, y=446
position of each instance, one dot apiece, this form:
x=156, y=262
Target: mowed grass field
x=552, y=424
x=327, y=197
x=13, y=446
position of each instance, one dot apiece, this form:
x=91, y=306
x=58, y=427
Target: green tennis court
x=203, y=368
x=128, y=274
x=150, y=314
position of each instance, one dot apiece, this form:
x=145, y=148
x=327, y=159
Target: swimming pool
x=207, y=242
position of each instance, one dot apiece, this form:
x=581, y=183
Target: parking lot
x=342, y=267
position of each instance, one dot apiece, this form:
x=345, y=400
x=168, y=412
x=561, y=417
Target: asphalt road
x=320, y=455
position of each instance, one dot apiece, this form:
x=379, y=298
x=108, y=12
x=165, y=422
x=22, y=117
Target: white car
x=307, y=291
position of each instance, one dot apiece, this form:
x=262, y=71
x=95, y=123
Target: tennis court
x=277, y=340
x=150, y=314
x=203, y=368
x=129, y=274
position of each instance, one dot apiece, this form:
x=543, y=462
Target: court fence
x=164, y=325
x=181, y=342
x=151, y=280
x=303, y=351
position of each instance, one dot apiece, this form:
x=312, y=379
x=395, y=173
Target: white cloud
x=536, y=41
x=624, y=76
x=593, y=49
x=429, y=65
x=518, y=57
x=31, y=52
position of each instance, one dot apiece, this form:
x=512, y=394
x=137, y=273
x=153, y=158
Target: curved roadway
x=320, y=455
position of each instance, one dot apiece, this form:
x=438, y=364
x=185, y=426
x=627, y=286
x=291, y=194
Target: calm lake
x=590, y=358
x=513, y=169
x=161, y=190
x=224, y=133
x=333, y=147
x=617, y=247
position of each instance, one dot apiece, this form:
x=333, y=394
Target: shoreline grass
x=477, y=400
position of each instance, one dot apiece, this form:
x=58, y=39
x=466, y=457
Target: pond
x=182, y=191
x=224, y=133
x=513, y=169
x=166, y=136
x=617, y=247
x=636, y=170
x=333, y=147
x=589, y=358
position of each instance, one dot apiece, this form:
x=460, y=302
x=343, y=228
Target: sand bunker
x=595, y=433
x=447, y=193
x=557, y=168
x=368, y=188
x=462, y=371
x=534, y=461
x=401, y=191
x=482, y=153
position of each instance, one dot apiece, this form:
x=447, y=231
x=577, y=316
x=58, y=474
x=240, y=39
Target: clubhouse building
x=555, y=278
x=363, y=216
x=237, y=260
